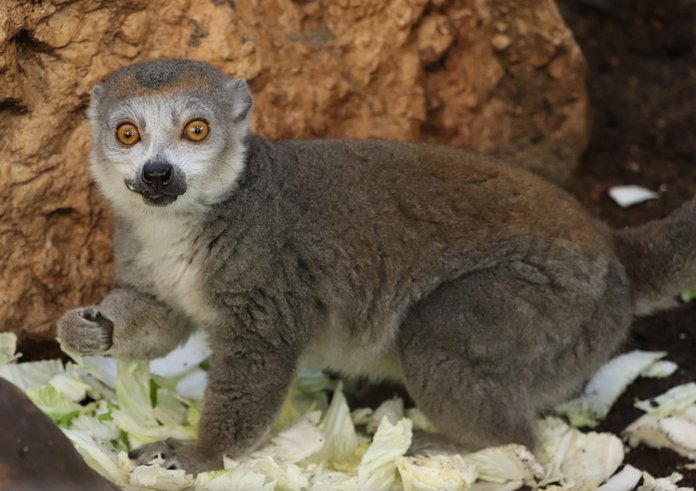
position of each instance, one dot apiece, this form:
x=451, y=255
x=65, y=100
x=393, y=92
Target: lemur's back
x=445, y=192
x=426, y=204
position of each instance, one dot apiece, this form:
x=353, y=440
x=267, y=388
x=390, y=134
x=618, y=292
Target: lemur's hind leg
x=482, y=355
x=475, y=403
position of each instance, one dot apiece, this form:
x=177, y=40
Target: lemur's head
x=168, y=134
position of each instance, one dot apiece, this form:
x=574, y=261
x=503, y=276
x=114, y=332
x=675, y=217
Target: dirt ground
x=642, y=82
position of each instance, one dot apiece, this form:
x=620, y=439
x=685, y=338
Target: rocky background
x=501, y=76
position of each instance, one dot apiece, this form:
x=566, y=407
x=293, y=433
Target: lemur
x=488, y=292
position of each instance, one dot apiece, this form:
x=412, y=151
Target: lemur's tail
x=660, y=258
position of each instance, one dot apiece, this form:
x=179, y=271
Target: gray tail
x=660, y=258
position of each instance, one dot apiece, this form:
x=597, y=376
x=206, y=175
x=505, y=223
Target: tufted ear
x=241, y=98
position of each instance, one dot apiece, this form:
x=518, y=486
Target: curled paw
x=86, y=331
x=175, y=455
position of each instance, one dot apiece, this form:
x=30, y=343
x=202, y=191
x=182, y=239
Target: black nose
x=157, y=174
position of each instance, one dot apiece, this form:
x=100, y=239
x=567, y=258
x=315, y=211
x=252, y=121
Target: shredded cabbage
x=377, y=469
x=675, y=400
x=436, y=473
x=107, y=407
x=606, y=386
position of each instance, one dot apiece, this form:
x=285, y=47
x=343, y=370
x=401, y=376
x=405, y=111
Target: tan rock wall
x=502, y=76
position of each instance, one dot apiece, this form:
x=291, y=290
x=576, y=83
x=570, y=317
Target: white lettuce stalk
x=606, y=386
x=628, y=478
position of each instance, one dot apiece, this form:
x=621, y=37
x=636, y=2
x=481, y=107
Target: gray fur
x=487, y=291
x=660, y=258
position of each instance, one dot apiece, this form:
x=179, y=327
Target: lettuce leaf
x=435, y=473
x=31, y=374
x=133, y=391
x=674, y=401
x=315, y=445
x=155, y=477
x=231, y=480
x=337, y=426
x=508, y=463
x=56, y=405
x=298, y=442
x=8, y=348
x=668, y=483
x=606, y=386
x=676, y=432
x=377, y=469
x=576, y=459
x=99, y=456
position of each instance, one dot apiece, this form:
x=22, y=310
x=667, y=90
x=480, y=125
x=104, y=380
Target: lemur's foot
x=176, y=455
x=86, y=331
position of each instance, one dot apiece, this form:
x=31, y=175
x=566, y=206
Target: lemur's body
x=487, y=291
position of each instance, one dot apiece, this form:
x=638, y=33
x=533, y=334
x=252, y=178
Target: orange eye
x=128, y=134
x=196, y=130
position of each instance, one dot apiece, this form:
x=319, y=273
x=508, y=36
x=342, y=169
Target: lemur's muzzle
x=159, y=183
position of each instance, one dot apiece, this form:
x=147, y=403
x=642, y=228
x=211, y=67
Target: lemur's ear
x=241, y=98
x=96, y=93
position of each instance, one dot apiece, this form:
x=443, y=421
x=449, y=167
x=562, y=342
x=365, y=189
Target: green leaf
x=55, y=404
x=688, y=296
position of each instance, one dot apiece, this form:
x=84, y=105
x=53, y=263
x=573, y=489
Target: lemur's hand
x=86, y=331
x=178, y=455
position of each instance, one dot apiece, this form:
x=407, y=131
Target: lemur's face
x=168, y=134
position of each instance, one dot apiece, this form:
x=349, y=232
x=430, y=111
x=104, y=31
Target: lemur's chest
x=173, y=264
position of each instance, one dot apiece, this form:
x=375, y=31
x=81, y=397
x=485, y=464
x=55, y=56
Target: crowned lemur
x=489, y=292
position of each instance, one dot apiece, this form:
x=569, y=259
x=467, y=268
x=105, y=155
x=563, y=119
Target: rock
x=35, y=455
x=500, y=42
x=403, y=69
